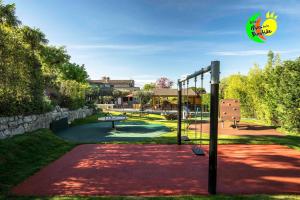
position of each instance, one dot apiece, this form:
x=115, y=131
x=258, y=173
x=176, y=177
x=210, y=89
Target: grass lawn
x=23, y=155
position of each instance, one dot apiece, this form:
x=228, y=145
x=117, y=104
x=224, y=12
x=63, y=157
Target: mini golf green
x=103, y=132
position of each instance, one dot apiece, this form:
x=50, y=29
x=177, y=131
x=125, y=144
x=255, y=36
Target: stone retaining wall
x=10, y=126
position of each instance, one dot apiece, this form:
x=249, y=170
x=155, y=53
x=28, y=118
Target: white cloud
x=290, y=8
x=142, y=48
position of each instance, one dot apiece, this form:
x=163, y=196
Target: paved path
x=113, y=169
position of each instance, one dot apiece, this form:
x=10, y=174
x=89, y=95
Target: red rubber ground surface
x=111, y=169
x=244, y=129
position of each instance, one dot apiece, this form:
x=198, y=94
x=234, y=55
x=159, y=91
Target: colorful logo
x=258, y=32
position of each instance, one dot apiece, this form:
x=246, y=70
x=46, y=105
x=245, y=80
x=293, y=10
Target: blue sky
x=147, y=39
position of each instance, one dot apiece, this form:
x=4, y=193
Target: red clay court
x=151, y=170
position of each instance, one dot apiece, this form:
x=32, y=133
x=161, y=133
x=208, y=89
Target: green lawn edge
x=23, y=155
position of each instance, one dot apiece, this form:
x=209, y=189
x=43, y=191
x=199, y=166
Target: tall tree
x=236, y=89
x=149, y=86
x=143, y=96
x=34, y=36
x=35, y=39
x=8, y=14
x=72, y=71
x=256, y=92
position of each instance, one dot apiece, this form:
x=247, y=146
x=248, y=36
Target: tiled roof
x=112, y=81
x=172, y=92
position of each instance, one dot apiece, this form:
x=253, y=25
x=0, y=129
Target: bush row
x=271, y=94
x=35, y=76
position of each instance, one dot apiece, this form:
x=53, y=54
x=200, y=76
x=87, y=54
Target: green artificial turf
x=290, y=140
x=125, y=131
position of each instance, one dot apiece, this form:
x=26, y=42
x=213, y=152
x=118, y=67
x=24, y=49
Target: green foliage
x=7, y=15
x=119, y=93
x=149, y=87
x=73, y=94
x=287, y=95
x=236, y=89
x=72, y=71
x=34, y=76
x=271, y=94
x=66, y=82
x=18, y=67
x=206, y=100
x=143, y=96
x=198, y=90
x=171, y=116
x=34, y=37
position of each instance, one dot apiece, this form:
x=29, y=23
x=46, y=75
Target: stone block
x=3, y=120
x=27, y=119
x=18, y=130
x=34, y=117
x=20, y=121
x=12, y=123
x=3, y=126
x=2, y=136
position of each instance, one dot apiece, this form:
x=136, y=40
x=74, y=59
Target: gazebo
x=166, y=98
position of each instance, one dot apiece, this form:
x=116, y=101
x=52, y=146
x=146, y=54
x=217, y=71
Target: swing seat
x=185, y=138
x=198, y=151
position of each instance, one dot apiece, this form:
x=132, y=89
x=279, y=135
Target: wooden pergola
x=159, y=95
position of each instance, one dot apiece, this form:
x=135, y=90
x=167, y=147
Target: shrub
x=73, y=94
x=171, y=116
x=21, y=83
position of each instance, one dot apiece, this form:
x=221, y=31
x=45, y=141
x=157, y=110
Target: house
x=166, y=98
x=107, y=85
x=123, y=85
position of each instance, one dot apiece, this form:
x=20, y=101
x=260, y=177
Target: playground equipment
x=112, y=119
x=214, y=69
x=230, y=111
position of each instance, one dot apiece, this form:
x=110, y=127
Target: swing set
x=214, y=69
x=188, y=118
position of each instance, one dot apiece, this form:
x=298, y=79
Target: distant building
x=107, y=86
x=166, y=98
x=106, y=82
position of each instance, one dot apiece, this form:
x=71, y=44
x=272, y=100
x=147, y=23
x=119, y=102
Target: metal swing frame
x=214, y=69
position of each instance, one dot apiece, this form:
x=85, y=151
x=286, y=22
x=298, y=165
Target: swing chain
x=201, y=106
